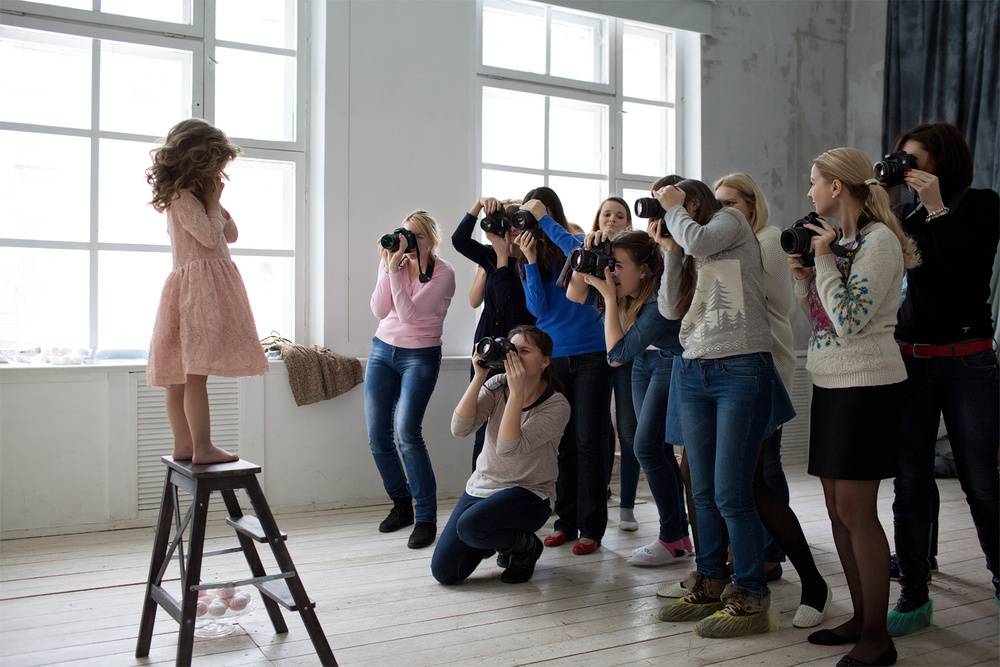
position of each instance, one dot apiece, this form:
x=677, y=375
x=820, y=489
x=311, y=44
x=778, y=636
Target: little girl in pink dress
x=204, y=325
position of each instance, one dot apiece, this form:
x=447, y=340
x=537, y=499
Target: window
x=89, y=88
x=585, y=104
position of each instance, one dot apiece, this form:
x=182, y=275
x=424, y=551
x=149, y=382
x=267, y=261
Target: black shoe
x=400, y=516
x=522, y=562
x=894, y=571
x=423, y=535
x=831, y=638
x=905, y=604
x=503, y=559
x=775, y=574
x=887, y=659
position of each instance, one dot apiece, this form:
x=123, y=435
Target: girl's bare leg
x=183, y=444
x=196, y=410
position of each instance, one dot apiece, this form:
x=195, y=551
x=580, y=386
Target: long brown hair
x=644, y=251
x=550, y=257
x=853, y=169
x=708, y=206
x=191, y=158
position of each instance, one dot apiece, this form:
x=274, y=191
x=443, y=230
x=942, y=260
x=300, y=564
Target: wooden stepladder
x=283, y=589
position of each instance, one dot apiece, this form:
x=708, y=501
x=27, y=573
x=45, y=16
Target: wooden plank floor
x=76, y=600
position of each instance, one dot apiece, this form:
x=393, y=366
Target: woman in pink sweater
x=411, y=299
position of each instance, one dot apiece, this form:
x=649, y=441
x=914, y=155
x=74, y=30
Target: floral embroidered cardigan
x=852, y=304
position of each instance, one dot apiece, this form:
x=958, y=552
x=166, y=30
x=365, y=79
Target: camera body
x=523, y=220
x=493, y=351
x=891, y=169
x=391, y=241
x=648, y=208
x=593, y=261
x=500, y=221
x=797, y=239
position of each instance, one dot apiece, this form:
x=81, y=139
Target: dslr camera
x=648, y=208
x=493, y=351
x=522, y=220
x=891, y=169
x=391, y=241
x=499, y=221
x=594, y=260
x=797, y=239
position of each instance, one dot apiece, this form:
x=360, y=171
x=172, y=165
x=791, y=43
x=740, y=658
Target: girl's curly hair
x=191, y=158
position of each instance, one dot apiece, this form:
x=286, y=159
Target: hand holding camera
x=669, y=196
x=594, y=261
x=658, y=231
x=492, y=352
x=517, y=380
x=605, y=285
x=927, y=188
x=527, y=243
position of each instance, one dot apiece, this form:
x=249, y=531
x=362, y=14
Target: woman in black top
x=945, y=332
x=503, y=302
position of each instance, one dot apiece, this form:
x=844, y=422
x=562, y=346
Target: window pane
x=513, y=128
x=264, y=22
x=45, y=78
x=508, y=184
x=648, y=140
x=144, y=89
x=581, y=197
x=579, y=46
x=270, y=283
x=124, y=212
x=129, y=286
x=44, y=298
x=578, y=136
x=174, y=11
x=647, y=63
x=255, y=94
x=514, y=35
x=260, y=195
x=75, y=4
x=44, y=187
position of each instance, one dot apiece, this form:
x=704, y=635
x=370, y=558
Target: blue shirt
x=574, y=327
x=650, y=328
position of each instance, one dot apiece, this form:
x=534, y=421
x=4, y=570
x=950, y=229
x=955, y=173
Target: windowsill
x=447, y=363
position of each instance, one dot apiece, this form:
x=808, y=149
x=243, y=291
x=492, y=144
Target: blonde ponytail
x=877, y=207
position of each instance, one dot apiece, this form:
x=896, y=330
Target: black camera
x=893, y=167
x=523, y=220
x=649, y=208
x=499, y=221
x=797, y=239
x=593, y=261
x=493, y=351
x=391, y=241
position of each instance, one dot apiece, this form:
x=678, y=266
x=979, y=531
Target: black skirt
x=853, y=432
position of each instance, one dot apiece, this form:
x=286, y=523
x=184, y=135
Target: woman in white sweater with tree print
x=852, y=295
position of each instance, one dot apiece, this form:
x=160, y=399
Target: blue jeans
x=967, y=391
x=581, y=490
x=650, y=390
x=398, y=386
x=479, y=527
x=625, y=421
x=725, y=410
x=777, y=486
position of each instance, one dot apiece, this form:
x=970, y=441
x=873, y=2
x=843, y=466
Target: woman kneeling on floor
x=508, y=497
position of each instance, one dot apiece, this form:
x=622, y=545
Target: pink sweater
x=411, y=312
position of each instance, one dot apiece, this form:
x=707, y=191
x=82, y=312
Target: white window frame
x=198, y=38
x=609, y=94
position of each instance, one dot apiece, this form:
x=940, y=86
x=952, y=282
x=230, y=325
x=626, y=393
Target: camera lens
x=390, y=242
x=648, y=208
x=523, y=220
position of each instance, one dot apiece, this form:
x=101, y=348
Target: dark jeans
x=725, y=410
x=650, y=390
x=967, y=391
x=777, y=486
x=398, y=386
x=479, y=527
x=625, y=421
x=581, y=491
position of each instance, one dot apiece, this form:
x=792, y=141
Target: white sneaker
x=652, y=555
x=677, y=589
x=810, y=617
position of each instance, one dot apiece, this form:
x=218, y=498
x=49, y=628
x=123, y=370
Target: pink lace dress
x=204, y=325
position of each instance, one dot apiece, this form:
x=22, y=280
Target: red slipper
x=555, y=540
x=582, y=548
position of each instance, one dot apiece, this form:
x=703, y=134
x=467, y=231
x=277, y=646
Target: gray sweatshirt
x=728, y=315
x=531, y=461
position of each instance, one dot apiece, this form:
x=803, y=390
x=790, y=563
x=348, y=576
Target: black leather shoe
x=400, y=516
x=522, y=563
x=887, y=659
x=423, y=535
x=831, y=638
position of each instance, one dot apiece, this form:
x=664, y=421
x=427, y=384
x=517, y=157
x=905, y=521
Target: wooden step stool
x=284, y=589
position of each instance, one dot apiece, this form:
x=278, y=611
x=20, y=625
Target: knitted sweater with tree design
x=852, y=304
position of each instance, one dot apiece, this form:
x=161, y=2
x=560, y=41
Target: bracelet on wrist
x=944, y=210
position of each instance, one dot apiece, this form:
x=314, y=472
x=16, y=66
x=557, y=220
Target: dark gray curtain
x=942, y=63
